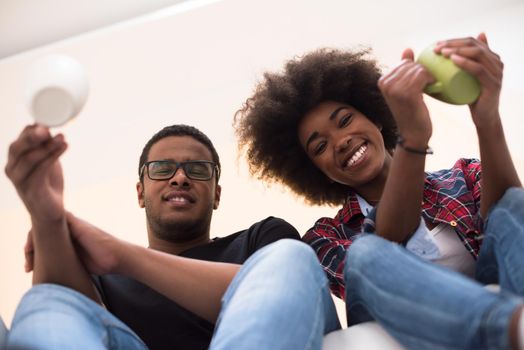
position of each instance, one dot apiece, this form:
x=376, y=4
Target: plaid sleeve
x=472, y=170
x=329, y=239
x=472, y=174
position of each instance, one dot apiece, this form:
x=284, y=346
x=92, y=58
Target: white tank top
x=453, y=253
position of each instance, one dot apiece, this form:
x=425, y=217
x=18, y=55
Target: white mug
x=56, y=89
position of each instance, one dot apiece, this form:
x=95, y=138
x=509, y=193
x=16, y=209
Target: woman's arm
x=498, y=171
x=399, y=209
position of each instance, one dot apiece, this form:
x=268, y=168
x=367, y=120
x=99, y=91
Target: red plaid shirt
x=451, y=196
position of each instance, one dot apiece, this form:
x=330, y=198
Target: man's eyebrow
x=335, y=112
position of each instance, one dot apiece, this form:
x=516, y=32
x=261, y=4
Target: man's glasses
x=201, y=170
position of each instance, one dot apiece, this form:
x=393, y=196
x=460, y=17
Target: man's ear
x=140, y=194
x=218, y=191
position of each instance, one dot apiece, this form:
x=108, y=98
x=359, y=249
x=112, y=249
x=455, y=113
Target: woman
x=336, y=132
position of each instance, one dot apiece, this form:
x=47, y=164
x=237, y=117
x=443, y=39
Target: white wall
x=198, y=67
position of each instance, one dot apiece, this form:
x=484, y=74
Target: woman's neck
x=372, y=191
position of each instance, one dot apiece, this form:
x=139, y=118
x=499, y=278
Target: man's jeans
x=278, y=300
x=54, y=317
x=425, y=306
x=3, y=334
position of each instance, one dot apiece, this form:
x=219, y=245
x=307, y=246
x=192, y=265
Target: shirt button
x=453, y=223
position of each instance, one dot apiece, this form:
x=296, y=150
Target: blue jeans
x=3, y=334
x=425, y=306
x=50, y=316
x=278, y=300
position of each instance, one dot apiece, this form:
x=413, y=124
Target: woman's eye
x=345, y=120
x=320, y=148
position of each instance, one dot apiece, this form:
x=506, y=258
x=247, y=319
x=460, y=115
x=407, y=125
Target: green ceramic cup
x=452, y=84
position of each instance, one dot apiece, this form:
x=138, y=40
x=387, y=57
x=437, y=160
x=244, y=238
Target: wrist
x=414, y=147
x=48, y=223
x=125, y=254
x=487, y=122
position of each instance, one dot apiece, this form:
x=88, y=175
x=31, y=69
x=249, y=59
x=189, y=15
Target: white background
x=197, y=67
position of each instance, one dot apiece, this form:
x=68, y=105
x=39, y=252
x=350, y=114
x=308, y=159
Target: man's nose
x=179, y=178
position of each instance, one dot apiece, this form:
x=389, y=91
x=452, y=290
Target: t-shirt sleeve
x=330, y=243
x=271, y=230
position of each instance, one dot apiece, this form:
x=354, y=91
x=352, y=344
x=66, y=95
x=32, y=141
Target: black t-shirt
x=160, y=322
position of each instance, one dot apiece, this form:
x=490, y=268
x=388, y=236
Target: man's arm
x=196, y=285
x=35, y=171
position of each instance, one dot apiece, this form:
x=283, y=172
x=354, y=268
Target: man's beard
x=178, y=231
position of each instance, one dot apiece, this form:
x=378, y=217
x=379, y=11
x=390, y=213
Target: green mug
x=452, y=84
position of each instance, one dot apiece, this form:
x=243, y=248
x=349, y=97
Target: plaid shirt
x=451, y=196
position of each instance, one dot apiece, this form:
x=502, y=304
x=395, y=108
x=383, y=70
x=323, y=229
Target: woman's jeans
x=278, y=300
x=425, y=306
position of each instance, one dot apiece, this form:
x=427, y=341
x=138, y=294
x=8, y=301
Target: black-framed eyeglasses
x=201, y=170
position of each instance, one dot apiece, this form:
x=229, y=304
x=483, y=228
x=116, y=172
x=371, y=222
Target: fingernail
x=455, y=57
x=59, y=137
x=446, y=51
x=41, y=130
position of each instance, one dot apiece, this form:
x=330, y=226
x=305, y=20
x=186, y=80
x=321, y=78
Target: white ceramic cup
x=56, y=89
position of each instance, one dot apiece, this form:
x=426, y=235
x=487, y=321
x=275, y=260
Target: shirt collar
x=350, y=209
x=365, y=207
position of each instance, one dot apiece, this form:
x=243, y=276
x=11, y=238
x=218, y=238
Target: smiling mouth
x=357, y=156
x=179, y=200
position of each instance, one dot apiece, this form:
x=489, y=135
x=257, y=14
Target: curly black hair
x=267, y=124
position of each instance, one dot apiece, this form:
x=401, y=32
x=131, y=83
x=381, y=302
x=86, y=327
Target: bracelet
x=400, y=142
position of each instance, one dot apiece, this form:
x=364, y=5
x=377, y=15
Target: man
x=183, y=275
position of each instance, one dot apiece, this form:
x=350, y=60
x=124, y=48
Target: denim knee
x=507, y=212
x=284, y=262
x=291, y=252
x=363, y=251
x=56, y=317
x=512, y=200
x=50, y=296
x=512, y=195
